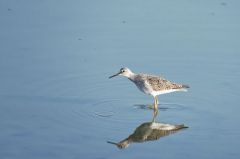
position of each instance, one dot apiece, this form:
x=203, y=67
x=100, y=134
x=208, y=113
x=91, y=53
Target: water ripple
x=162, y=106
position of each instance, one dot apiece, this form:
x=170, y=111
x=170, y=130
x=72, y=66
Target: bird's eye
x=122, y=71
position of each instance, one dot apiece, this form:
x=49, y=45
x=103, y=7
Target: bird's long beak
x=115, y=75
x=119, y=145
x=114, y=143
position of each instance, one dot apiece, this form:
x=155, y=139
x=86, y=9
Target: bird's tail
x=183, y=88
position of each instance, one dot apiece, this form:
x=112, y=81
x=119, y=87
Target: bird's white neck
x=131, y=76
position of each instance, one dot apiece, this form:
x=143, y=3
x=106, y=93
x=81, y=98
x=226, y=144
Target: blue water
x=56, y=100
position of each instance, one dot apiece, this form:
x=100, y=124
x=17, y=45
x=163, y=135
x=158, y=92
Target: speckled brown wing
x=159, y=84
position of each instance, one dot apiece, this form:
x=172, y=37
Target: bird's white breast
x=144, y=87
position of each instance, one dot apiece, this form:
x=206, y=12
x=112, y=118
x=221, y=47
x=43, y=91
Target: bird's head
x=123, y=72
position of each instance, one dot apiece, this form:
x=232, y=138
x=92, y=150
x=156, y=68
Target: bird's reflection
x=149, y=131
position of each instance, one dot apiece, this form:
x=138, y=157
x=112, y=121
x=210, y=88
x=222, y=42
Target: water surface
x=56, y=100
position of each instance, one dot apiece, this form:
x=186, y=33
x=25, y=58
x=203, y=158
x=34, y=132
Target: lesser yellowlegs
x=150, y=84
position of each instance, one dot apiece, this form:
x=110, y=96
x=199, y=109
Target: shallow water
x=56, y=100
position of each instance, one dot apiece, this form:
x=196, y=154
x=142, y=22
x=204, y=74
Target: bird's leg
x=157, y=100
x=155, y=103
x=155, y=108
x=155, y=113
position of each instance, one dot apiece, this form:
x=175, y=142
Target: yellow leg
x=157, y=100
x=155, y=103
x=155, y=109
x=155, y=113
